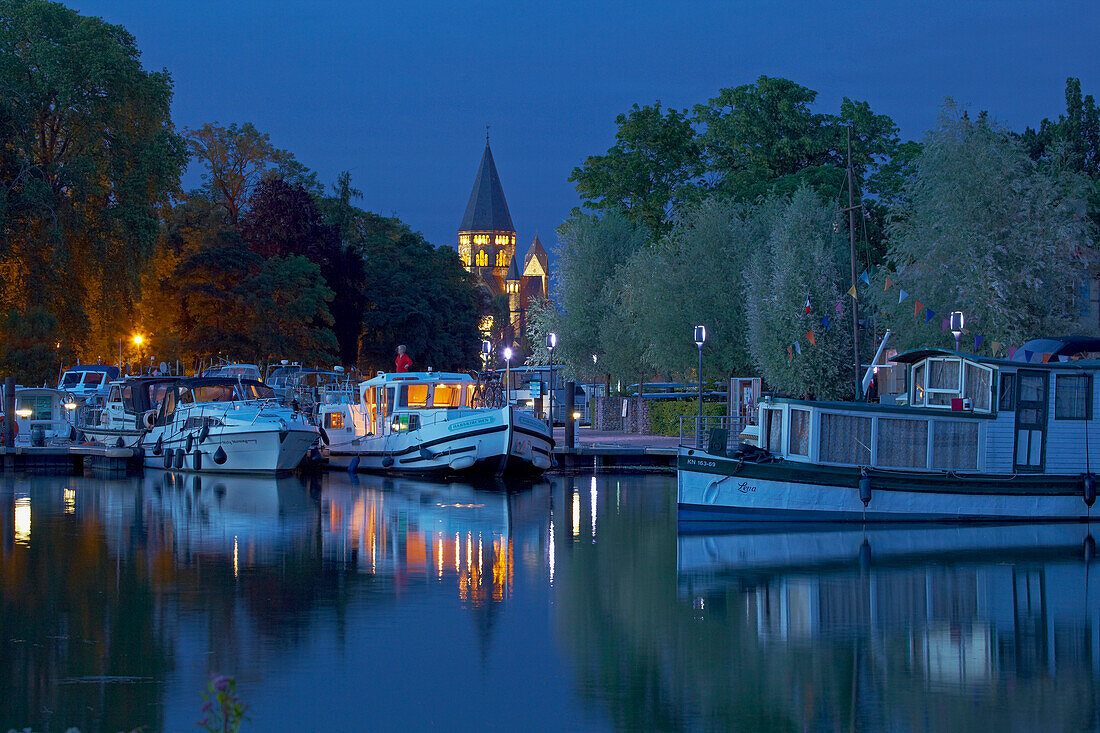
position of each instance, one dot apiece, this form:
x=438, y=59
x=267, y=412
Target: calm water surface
x=363, y=602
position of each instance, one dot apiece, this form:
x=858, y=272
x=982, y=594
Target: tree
x=29, y=352
x=984, y=229
x=288, y=311
x=237, y=158
x=800, y=260
x=645, y=173
x=88, y=154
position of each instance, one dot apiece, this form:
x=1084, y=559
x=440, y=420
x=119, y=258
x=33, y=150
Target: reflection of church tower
x=486, y=237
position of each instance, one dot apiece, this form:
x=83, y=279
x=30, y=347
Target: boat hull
x=502, y=442
x=255, y=451
x=718, y=489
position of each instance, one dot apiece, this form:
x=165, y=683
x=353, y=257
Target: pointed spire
x=513, y=270
x=487, y=210
x=537, y=253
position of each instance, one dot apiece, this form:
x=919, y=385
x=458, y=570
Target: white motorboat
x=977, y=439
x=123, y=413
x=43, y=416
x=430, y=422
x=219, y=424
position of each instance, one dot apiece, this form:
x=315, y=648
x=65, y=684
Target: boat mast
x=852, y=252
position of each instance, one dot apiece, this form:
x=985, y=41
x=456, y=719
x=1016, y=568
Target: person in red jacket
x=402, y=362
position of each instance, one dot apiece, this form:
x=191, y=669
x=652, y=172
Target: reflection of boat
x=426, y=422
x=225, y=425
x=978, y=438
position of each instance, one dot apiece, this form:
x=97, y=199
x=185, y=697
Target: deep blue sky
x=400, y=92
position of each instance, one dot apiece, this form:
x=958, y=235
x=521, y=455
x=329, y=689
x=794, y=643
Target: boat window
x=845, y=439
x=1007, y=399
x=979, y=386
x=157, y=393
x=447, y=395
x=116, y=395
x=902, y=443
x=71, y=379
x=955, y=445
x=371, y=405
x=1072, y=397
x=335, y=420
x=773, y=430
x=388, y=405
x=41, y=406
x=414, y=395
x=128, y=398
x=943, y=374
x=1032, y=388
x=918, y=384
x=169, y=405
x=799, y=440
x=91, y=379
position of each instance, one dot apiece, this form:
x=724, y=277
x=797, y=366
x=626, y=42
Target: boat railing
x=711, y=432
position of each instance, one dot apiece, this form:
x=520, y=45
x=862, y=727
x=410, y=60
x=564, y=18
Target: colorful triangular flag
x=929, y=314
x=810, y=337
x=839, y=307
x=825, y=322
x=902, y=296
x=798, y=348
x=1027, y=356
x=852, y=292
x=806, y=312
x=995, y=346
x=790, y=354
x=889, y=282
x=977, y=340
x=946, y=323
x=1046, y=357
x=1012, y=351
x=865, y=278
x=917, y=305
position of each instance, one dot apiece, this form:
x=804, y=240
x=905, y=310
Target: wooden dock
x=98, y=460
x=606, y=449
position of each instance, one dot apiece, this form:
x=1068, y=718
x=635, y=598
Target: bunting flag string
x=798, y=348
x=865, y=278
x=977, y=340
x=852, y=292
x=889, y=282
x=917, y=306
x=1046, y=358
x=929, y=314
x=809, y=336
x=1027, y=356
x=995, y=346
x=902, y=296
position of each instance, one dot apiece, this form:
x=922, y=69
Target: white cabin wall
x=999, y=442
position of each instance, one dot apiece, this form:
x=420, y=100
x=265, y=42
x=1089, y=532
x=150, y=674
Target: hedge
x=664, y=416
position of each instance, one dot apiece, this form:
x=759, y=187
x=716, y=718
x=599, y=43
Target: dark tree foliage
x=88, y=153
x=29, y=354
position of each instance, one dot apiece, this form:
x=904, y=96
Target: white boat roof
x=400, y=377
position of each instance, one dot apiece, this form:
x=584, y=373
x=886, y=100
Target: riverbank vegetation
x=733, y=215
x=261, y=262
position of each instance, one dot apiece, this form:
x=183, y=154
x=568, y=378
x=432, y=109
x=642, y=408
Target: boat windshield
x=225, y=393
x=426, y=395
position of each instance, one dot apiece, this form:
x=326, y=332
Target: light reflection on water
x=346, y=602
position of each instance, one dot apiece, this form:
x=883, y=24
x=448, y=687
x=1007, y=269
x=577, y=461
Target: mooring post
x=570, y=423
x=9, y=421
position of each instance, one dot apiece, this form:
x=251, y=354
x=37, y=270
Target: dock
x=99, y=461
x=610, y=449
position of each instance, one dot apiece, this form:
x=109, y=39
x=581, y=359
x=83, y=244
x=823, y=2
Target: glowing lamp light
x=957, y=324
x=23, y=413
x=700, y=335
x=551, y=340
x=507, y=353
x=138, y=339
x=69, y=405
x=576, y=416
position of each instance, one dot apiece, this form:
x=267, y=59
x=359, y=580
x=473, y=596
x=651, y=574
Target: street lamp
x=592, y=425
x=957, y=322
x=551, y=342
x=700, y=339
x=486, y=349
x=508, y=375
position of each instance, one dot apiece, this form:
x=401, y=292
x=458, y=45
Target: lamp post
x=507, y=375
x=551, y=342
x=957, y=323
x=486, y=349
x=700, y=339
x=592, y=424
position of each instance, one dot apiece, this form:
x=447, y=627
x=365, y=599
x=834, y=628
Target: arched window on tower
x=482, y=258
x=502, y=259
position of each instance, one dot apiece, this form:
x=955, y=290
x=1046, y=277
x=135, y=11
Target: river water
x=354, y=603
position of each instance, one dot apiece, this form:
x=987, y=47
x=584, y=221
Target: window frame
x=1088, y=396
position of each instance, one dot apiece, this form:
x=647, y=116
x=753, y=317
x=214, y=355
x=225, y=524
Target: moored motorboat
x=975, y=439
x=432, y=422
x=220, y=424
x=127, y=411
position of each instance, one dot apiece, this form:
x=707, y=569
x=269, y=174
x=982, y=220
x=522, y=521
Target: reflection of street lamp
x=700, y=339
x=508, y=375
x=551, y=342
x=957, y=322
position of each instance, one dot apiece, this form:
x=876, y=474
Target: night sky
x=399, y=93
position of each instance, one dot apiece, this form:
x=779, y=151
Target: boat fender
x=387, y=462
x=353, y=465
x=158, y=447
x=204, y=433
x=864, y=487
x=190, y=442
x=196, y=459
x=461, y=463
x=324, y=434
x=1088, y=489
x=167, y=459
x=119, y=442
x=219, y=456
x=426, y=454
x=1090, y=549
x=179, y=458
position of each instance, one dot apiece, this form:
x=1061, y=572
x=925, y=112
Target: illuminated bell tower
x=486, y=237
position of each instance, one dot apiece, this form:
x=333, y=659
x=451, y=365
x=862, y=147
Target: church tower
x=486, y=237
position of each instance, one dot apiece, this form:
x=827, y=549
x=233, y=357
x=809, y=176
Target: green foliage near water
x=664, y=415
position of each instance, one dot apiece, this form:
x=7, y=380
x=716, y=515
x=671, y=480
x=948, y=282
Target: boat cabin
x=42, y=414
x=393, y=403
x=962, y=413
x=234, y=371
x=128, y=400
x=88, y=381
x=206, y=391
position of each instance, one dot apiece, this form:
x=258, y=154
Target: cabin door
x=1031, y=420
